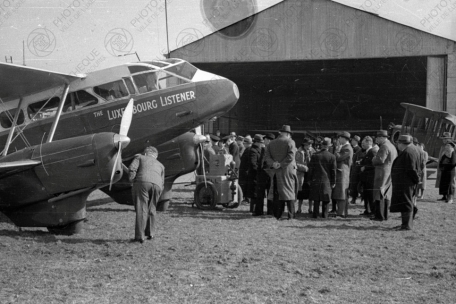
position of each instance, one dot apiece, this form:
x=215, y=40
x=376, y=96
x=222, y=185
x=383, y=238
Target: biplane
x=63, y=136
x=426, y=125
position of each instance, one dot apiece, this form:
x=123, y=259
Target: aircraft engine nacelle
x=179, y=156
x=54, y=192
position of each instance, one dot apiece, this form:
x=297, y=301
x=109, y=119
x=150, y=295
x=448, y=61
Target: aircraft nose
x=215, y=97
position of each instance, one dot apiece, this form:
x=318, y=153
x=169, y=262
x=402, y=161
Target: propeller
x=121, y=139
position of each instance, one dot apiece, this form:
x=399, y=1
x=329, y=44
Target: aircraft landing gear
x=69, y=229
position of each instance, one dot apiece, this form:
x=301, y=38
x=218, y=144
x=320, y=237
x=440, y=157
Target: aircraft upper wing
x=21, y=164
x=18, y=80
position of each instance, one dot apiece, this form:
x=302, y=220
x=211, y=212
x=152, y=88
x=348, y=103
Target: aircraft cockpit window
x=111, y=90
x=7, y=117
x=130, y=86
x=146, y=82
x=166, y=80
x=183, y=69
x=43, y=109
x=79, y=99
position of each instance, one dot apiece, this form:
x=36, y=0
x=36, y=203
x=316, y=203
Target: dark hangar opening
x=350, y=94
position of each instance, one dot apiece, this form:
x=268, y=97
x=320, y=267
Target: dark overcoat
x=244, y=169
x=355, y=169
x=253, y=167
x=383, y=161
x=282, y=150
x=344, y=159
x=368, y=174
x=405, y=176
x=322, y=174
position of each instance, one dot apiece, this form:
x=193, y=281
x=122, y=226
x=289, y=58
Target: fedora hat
x=258, y=138
x=270, y=136
x=344, y=134
x=382, y=133
x=326, y=142
x=307, y=141
x=248, y=140
x=356, y=138
x=446, y=135
x=286, y=128
x=405, y=139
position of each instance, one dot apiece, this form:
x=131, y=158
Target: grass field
x=228, y=256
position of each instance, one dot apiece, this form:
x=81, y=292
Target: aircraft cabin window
x=7, y=117
x=111, y=90
x=130, y=86
x=146, y=82
x=43, y=109
x=79, y=99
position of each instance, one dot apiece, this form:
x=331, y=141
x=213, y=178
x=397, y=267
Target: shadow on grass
x=21, y=234
x=99, y=202
x=342, y=227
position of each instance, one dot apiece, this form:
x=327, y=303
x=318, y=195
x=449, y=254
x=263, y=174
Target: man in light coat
x=383, y=162
x=148, y=177
x=344, y=159
x=280, y=159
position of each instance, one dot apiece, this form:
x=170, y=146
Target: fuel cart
x=219, y=185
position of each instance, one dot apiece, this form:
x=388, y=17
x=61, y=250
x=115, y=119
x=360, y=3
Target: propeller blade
x=126, y=118
x=115, y=167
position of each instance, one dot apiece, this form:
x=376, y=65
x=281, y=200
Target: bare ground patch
x=228, y=256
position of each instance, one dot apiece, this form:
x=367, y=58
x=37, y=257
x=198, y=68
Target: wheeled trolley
x=219, y=186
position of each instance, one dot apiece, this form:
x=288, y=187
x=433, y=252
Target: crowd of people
x=334, y=173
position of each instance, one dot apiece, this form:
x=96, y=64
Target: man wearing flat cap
x=405, y=176
x=280, y=158
x=383, y=162
x=322, y=178
x=344, y=159
x=233, y=149
x=355, y=143
x=240, y=143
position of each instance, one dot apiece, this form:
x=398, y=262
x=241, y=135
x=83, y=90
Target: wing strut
x=59, y=112
x=13, y=127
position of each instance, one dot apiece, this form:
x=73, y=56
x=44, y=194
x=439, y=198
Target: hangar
x=318, y=65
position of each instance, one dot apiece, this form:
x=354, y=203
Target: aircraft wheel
x=70, y=229
x=206, y=197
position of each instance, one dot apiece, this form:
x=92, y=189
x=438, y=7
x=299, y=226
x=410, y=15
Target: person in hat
x=208, y=151
x=148, y=177
x=355, y=144
x=367, y=175
x=263, y=180
x=214, y=142
x=382, y=162
x=355, y=170
x=240, y=143
x=405, y=176
x=280, y=158
x=233, y=149
x=254, y=157
x=244, y=168
x=344, y=159
x=446, y=138
x=303, y=156
x=322, y=178
x=447, y=166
